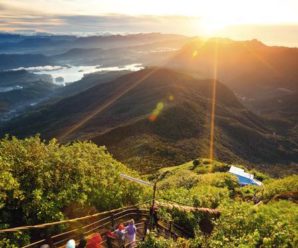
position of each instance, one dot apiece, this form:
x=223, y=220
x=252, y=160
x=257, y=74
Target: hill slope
x=250, y=68
x=264, y=78
x=158, y=117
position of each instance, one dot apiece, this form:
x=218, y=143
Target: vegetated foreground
x=43, y=182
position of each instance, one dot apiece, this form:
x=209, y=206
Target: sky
x=272, y=21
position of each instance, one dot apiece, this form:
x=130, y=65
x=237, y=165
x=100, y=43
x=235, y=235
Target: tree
x=195, y=163
x=39, y=180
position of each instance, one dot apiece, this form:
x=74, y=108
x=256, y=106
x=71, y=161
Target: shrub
x=39, y=180
x=195, y=164
x=243, y=225
x=273, y=188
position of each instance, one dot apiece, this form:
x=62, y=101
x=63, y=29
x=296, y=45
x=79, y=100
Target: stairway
x=108, y=221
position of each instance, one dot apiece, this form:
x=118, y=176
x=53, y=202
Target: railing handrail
x=107, y=220
x=131, y=214
x=40, y=226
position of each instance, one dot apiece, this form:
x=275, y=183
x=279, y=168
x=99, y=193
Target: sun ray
x=213, y=101
x=104, y=106
x=116, y=97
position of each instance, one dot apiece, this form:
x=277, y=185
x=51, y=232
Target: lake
x=63, y=75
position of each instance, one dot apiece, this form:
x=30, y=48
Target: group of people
x=124, y=236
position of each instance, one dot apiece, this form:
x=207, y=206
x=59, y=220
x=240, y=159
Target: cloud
x=17, y=18
x=101, y=23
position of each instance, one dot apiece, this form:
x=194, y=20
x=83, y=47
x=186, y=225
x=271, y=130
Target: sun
x=212, y=26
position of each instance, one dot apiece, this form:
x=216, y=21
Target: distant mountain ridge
x=55, y=44
x=112, y=50
x=250, y=68
x=12, y=61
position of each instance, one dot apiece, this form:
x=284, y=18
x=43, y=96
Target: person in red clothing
x=110, y=237
x=94, y=241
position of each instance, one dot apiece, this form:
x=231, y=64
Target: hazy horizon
x=272, y=22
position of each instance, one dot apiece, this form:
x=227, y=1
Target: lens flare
x=156, y=112
x=195, y=53
x=171, y=98
x=118, y=94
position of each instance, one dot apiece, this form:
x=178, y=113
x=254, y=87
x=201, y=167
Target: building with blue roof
x=243, y=177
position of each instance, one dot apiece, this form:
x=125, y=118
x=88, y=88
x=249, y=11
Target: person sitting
x=95, y=241
x=131, y=231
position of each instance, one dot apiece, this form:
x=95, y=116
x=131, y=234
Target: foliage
x=195, y=163
x=248, y=192
x=152, y=241
x=208, y=196
x=40, y=180
x=259, y=175
x=241, y=223
x=279, y=186
x=244, y=225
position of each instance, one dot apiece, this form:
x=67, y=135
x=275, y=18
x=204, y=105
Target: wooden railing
x=101, y=223
x=108, y=221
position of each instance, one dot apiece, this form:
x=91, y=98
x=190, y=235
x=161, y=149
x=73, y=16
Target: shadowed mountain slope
x=158, y=117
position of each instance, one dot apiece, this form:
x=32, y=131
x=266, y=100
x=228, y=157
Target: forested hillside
x=158, y=117
x=45, y=181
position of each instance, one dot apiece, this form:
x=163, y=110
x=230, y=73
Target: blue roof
x=243, y=177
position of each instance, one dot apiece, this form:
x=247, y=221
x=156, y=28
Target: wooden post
x=154, y=194
x=145, y=229
x=170, y=229
x=151, y=220
x=112, y=221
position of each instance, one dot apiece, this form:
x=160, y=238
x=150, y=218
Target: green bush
x=208, y=196
x=220, y=180
x=40, y=180
x=183, y=178
x=244, y=225
x=152, y=241
x=275, y=187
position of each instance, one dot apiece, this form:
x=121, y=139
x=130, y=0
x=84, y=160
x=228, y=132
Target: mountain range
x=158, y=117
x=251, y=69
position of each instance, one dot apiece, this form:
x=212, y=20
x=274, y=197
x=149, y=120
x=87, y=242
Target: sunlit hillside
x=149, y=124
